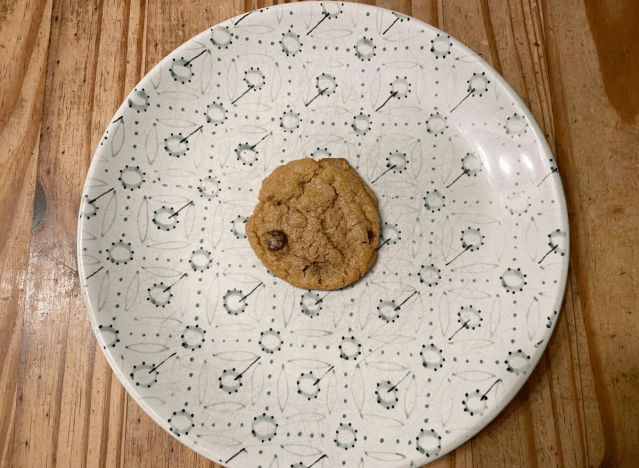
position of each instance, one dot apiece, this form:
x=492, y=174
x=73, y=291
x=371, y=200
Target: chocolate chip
x=275, y=240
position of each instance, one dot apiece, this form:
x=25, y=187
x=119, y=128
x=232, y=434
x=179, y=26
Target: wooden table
x=66, y=65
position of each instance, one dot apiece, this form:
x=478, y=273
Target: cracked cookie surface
x=316, y=225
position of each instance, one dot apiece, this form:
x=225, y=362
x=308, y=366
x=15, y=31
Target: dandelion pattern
x=394, y=370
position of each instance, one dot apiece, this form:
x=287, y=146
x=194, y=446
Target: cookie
x=316, y=224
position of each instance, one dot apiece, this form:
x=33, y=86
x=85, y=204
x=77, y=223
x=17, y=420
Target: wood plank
x=54, y=317
x=597, y=149
x=19, y=150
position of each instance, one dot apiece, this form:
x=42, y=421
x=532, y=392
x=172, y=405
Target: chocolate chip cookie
x=316, y=224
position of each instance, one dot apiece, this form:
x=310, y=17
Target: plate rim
x=545, y=150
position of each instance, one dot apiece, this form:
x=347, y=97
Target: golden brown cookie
x=316, y=224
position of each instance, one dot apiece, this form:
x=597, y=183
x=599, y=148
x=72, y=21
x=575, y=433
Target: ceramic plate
x=395, y=370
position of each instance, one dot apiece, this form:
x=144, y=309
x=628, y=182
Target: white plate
x=401, y=367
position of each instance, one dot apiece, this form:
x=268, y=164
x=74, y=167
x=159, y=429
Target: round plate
x=395, y=370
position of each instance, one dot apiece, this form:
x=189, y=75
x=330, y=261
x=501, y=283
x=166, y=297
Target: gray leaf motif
x=93, y=182
x=418, y=232
x=346, y=84
x=477, y=218
x=358, y=389
x=310, y=363
x=400, y=111
x=256, y=59
x=259, y=305
x=471, y=58
x=179, y=172
x=168, y=199
x=282, y=389
x=311, y=333
x=176, y=123
x=306, y=417
x=410, y=398
x=446, y=404
x=306, y=84
x=379, y=420
x=213, y=299
x=151, y=145
x=217, y=226
x=307, y=16
x=339, y=313
x=446, y=158
x=196, y=145
x=275, y=463
x=236, y=356
x=189, y=220
x=156, y=76
x=473, y=344
x=279, y=14
x=253, y=106
x=332, y=34
x=252, y=130
x=147, y=348
x=444, y=314
x=476, y=268
x=301, y=450
x=222, y=149
x=202, y=383
x=90, y=260
x=447, y=239
x=117, y=137
x=236, y=327
x=474, y=375
x=380, y=21
x=375, y=90
x=420, y=85
x=169, y=245
x=132, y=291
x=206, y=72
x=495, y=315
x=183, y=289
x=332, y=390
x=162, y=272
x=386, y=456
x=384, y=337
x=365, y=308
x=500, y=241
x=532, y=239
x=276, y=83
x=103, y=294
x=331, y=110
x=257, y=383
x=231, y=80
x=416, y=159
x=255, y=28
x=225, y=406
x=109, y=214
x=387, y=366
x=289, y=306
x=468, y=293
x=243, y=278
x=533, y=318
x=179, y=96
x=218, y=439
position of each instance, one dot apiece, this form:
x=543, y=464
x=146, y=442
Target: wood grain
x=66, y=65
